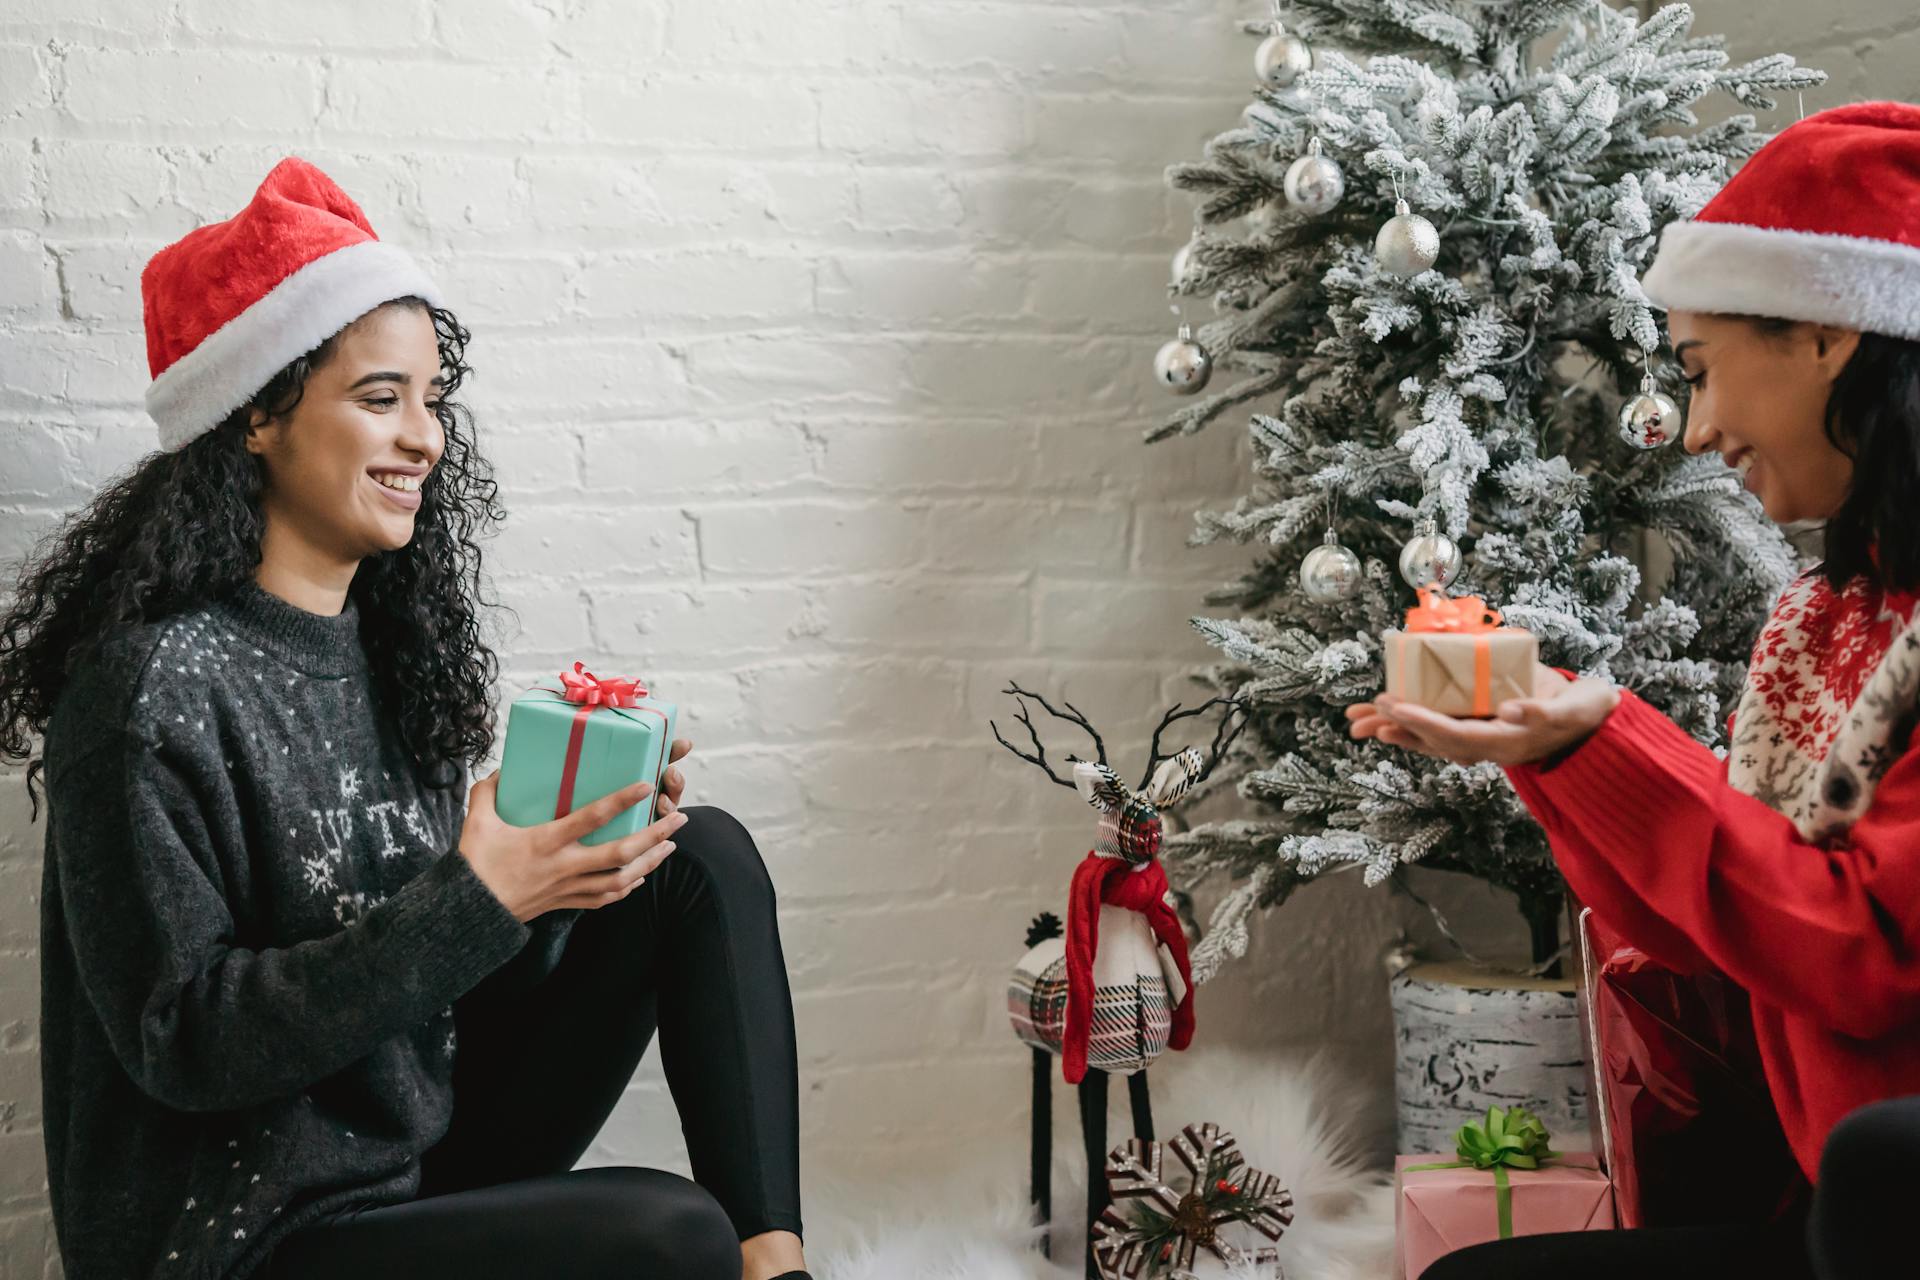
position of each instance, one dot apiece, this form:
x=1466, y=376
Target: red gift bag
x=1678, y=1104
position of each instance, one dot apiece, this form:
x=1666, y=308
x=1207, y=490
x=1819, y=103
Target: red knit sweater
x=1698, y=874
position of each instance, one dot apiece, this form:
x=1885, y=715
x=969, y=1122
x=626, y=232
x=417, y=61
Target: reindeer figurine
x=1117, y=990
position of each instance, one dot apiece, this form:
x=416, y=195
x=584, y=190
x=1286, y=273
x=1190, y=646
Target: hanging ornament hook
x=1406, y=243
x=1314, y=183
x=1330, y=572
x=1182, y=365
x=1650, y=418
x=1282, y=57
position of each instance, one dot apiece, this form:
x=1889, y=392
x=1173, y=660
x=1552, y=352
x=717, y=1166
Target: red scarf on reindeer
x=1123, y=870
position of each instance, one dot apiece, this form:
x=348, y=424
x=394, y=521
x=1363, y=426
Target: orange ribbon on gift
x=1460, y=615
x=1468, y=615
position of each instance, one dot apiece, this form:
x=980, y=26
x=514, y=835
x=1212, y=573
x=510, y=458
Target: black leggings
x=694, y=950
x=1858, y=1228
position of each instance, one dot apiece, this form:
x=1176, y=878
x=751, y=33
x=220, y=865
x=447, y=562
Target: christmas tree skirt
x=1295, y=1119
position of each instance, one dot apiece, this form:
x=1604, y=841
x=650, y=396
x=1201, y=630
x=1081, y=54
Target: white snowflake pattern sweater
x=254, y=924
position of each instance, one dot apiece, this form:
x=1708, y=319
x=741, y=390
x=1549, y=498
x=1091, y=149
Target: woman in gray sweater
x=304, y=1012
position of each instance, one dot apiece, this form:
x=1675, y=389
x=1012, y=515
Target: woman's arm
x=203, y=1024
x=1663, y=845
x=1593, y=879
x=547, y=942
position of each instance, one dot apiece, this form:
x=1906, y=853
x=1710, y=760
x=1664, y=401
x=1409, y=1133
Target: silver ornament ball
x=1182, y=261
x=1407, y=243
x=1314, y=183
x=1281, y=59
x=1429, y=560
x=1649, y=420
x=1330, y=572
x=1182, y=365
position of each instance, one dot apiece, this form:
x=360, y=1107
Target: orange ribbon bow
x=1466, y=615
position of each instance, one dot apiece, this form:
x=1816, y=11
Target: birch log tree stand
x=1466, y=1039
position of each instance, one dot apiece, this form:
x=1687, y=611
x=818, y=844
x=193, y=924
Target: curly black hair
x=183, y=529
x=1872, y=416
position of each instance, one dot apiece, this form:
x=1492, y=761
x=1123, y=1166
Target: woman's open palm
x=1523, y=730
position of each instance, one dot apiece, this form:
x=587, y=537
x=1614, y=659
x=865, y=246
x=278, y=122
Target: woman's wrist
x=1589, y=703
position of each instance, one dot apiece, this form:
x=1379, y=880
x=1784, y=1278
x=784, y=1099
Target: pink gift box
x=1440, y=1210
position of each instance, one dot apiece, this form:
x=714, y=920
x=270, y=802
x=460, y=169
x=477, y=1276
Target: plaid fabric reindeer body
x=1118, y=990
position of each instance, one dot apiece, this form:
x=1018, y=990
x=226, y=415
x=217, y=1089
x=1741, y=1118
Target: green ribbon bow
x=1511, y=1137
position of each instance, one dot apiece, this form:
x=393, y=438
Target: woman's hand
x=542, y=868
x=1523, y=730
x=672, y=781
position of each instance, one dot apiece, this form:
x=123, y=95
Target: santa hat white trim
x=1728, y=267
x=198, y=390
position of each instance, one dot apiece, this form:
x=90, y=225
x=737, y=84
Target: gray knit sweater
x=254, y=923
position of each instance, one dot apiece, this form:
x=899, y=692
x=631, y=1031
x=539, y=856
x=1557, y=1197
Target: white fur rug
x=1296, y=1120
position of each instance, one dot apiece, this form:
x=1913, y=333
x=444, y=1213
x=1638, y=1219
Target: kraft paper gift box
x=568, y=747
x=1453, y=657
x=1439, y=1210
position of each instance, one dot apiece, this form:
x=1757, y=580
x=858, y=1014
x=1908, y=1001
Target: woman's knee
x=669, y=1224
x=1877, y=1140
x=724, y=847
x=1867, y=1172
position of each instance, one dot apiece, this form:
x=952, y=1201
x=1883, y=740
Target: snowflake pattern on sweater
x=1830, y=702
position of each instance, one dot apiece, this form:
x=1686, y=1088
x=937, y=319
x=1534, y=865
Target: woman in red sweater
x=1792, y=865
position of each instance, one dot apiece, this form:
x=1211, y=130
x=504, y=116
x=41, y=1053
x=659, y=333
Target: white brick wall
x=811, y=339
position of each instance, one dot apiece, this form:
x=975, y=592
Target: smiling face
x=345, y=467
x=1760, y=401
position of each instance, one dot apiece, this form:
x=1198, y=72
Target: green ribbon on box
x=1510, y=1137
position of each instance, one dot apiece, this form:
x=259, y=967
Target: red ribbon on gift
x=614, y=691
x=592, y=693
x=1461, y=615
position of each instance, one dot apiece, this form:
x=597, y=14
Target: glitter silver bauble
x=1314, y=183
x=1407, y=243
x=1649, y=420
x=1330, y=573
x=1183, y=366
x=1281, y=58
x=1429, y=559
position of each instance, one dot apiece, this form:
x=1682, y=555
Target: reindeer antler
x=1221, y=738
x=1040, y=756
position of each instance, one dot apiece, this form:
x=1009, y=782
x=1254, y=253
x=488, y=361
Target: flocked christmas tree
x=1473, y=414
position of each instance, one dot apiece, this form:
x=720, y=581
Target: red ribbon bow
x=583, y=686
x=1467, y=615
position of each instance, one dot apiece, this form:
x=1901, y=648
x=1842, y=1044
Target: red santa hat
x=229, y=304
x=1822, y=223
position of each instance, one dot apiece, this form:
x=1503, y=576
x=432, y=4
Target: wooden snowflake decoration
x=1151, y=1229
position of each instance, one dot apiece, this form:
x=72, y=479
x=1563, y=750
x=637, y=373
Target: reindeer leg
x=1142, y=1106
x=1093, y=1129
x=1041, y=1170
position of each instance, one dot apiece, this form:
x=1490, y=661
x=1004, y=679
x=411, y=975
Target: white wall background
x=812, y=340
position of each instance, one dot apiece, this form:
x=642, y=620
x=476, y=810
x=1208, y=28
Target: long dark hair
x=1873, y=416
x=183, y=529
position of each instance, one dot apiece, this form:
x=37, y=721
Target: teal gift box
x=569, y=746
